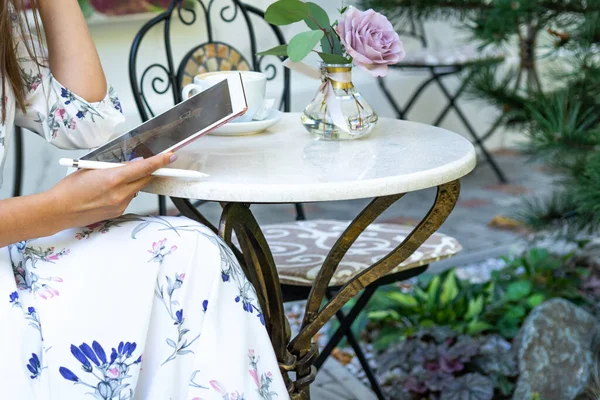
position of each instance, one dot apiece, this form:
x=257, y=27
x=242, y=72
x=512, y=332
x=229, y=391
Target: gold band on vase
x=341, y=70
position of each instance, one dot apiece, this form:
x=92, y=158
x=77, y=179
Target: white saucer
x=248, y=128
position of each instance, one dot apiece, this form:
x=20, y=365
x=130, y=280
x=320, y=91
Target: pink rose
x=370, y=39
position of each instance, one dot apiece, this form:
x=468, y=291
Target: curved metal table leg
x=300, y=353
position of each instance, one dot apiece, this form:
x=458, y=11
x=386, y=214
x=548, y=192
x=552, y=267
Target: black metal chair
x=439, y=66
x=19, y=157
x=169, y=77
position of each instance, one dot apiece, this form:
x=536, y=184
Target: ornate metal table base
x=299, y=354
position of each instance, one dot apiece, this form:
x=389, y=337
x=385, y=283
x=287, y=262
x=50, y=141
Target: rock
x=555, y=353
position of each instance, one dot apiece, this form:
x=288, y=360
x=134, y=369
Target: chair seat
x=299, y=249
x=462, y=56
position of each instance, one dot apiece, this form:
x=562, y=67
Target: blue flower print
x=225, y=276
x=80, y=356
x=106, y=378
x=66, y=94
x=245, y=297
x=114, y=99
x=205, y=305
x=68, y=375
x=165, y=292
x=34, y=321
x=80, y=115
x=14, y=298
x=34, y=366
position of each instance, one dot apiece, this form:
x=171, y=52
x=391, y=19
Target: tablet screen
x=169, y=129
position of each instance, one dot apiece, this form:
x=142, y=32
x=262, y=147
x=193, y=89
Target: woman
x=129, y=308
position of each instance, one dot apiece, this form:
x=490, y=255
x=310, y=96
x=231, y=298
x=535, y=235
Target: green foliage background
x=558, y=111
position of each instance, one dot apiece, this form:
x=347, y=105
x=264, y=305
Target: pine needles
x=559, y=115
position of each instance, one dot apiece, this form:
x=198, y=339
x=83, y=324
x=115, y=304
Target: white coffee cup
x=255, y=87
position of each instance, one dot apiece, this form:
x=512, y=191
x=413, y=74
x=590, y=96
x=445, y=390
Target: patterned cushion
x=299, y=249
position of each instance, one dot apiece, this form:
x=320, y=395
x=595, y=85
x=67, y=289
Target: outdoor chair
x=299, y=249
x=298, y=246
x=19, y=157
x=438, y=65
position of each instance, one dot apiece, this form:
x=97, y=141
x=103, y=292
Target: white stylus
x=163, y=172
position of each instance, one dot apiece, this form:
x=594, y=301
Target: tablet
x=178, y=126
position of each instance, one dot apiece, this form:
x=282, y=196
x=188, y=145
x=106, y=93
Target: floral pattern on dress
x=25, y=260
x=106, y=377
x=165, y=292
x=263, y=383
x=91, y=370
x=33, y=79
x=230, y=268
x=34, y=365
x=114, y=99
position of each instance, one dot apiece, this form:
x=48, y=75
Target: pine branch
x=555, y=211
x=499, y=90
x=587, y=191
x=562, y=130
x=453, y=7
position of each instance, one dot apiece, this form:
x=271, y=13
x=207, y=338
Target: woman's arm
x=74, y=61
x=27, y=217
x=80, y=199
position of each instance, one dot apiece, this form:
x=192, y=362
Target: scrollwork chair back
x=159, y=82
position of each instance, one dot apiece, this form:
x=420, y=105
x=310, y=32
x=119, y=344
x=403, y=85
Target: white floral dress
x=132, y=308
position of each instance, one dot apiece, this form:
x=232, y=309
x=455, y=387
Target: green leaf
x=280, y=51
x=449, y=289
x=475, y=308
x=285, y=12
x=515, y=313
x=475, y=327
x=518, y=290
x=432, y=291
x=337, y=45
x=384, y=315
x=333, y=58
x=318, y=18
x=302, y=44
x=535, y=300
x=419, y=294
x=427, y=323
x=383, y=341
x=404, y=300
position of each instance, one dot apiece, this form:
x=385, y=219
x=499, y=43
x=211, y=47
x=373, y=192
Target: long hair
x=13, y=23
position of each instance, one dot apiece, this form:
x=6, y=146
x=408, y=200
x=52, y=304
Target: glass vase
x=338, y=111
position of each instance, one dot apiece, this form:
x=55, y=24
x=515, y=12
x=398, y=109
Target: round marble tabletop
x=287, y=165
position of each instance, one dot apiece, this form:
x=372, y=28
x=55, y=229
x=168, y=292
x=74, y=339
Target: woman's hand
x=89, y=196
